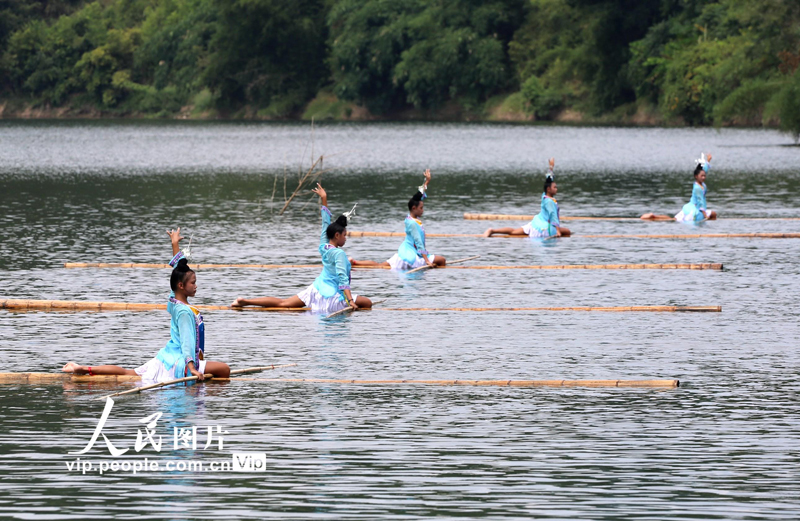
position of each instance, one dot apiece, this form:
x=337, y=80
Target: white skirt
x=682, y=217
x=396, y=263
x=319, y=304
x=530, y=231
x=154, y=371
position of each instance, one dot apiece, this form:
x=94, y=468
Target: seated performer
x=547, y=223
x=184, y=353
x=695, y=210
x=330, y=292
x=412, y=253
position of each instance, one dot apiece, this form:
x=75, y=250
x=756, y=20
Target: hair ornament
x=349, y=215
x=703, y=162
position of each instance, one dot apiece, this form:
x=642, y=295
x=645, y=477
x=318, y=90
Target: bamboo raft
x=77, y=305
x=511, y=217
x=696, y=266
x=757, y=235
x=57, y=378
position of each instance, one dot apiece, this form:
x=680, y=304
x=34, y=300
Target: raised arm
x=175, y=238
x=324, y=212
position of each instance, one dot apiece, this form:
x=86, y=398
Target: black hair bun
x=342, y=221
x=183, y=265
x=417, y=196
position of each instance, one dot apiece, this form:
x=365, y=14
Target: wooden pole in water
x=762, y=235
x=70, y=265
x=699, y=266
x=619, y=309
x=426, y=267
x=76, y=305
x=496, y=383
x=192, y=378
x=512, y=217
x=67, y=305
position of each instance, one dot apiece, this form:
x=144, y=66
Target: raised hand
x=708, y=157
x=175, y=235
x=320, y=191
x=427, y=175
x=552, y=163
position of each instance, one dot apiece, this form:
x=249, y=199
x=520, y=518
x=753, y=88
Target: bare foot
x=237, y=303
x=648, y=216
x=488, y=233
x=72, y=367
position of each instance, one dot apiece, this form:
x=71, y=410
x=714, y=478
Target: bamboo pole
x=55, y=378
x=660, y=309
x=145, y=265
x=36, y=378
x=190, y=379
x=426, y=267
x=494, y=383
x=77, y=305
x=698, y=266
x=512, y=217
x=71, y=305
x=761, y=235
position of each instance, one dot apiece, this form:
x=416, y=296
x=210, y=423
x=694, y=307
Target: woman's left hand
x=175, y=235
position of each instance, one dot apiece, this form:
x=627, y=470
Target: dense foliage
x=697, y=62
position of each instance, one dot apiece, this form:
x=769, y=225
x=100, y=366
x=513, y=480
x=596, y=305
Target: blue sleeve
x=187, y=331
x=326, y=221
x=341, y=270
x=416, y=235
x=701, y=197
x=552, y=213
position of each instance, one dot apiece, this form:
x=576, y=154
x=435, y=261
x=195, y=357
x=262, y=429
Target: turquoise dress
x=692, y=210
x=187, y=339
x=545, y=222
x=335, y=276
x=413, y=247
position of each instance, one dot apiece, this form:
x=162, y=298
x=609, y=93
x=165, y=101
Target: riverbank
x=327, y=107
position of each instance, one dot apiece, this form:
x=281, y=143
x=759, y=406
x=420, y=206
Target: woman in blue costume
x=695, y=210
x=548, y=222
x=184, y=353
x=330, y=292
x=412, y=252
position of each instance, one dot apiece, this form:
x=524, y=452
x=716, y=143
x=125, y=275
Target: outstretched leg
x=368, y=263
x=269, y=302
x=655, y=217
x=505, y=231
x=72, y=367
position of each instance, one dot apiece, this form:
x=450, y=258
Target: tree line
x=696, y=62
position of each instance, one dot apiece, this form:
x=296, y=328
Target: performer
x=330, y=292
x=184, y=353
x=695, y=210
x=412, y=253
x=547, y=223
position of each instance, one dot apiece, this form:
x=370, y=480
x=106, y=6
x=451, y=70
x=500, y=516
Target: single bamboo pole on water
x=192, y=378
x=58, y=305
x=698, y=266
x=512, y=217
x=76, y=305
x=761, y=235
x=426, y=267
x=573, y=308
x=494, y=383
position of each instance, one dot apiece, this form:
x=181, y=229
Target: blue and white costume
x=186, y=343
x=544, y=224
x=410, y=253
x=693, y=210
x=326, y=294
